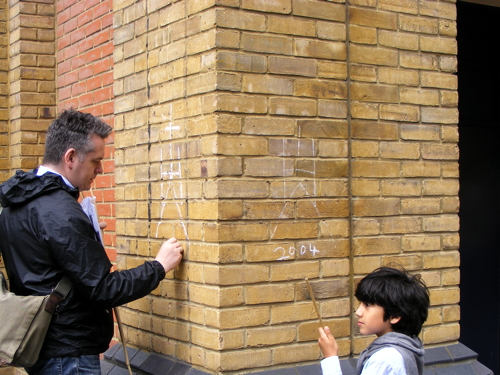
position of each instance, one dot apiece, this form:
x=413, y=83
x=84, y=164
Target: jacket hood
x=410, y=348
x=25, y=186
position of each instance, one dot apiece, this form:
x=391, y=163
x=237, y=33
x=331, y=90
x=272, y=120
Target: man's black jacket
x=44, y=235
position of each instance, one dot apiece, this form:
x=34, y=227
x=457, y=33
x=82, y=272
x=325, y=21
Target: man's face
x=85, y=170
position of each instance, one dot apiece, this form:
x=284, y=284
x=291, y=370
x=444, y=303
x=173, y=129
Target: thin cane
x=311, y=293
x=115, y=309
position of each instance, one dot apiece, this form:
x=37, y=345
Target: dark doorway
x=479, y=129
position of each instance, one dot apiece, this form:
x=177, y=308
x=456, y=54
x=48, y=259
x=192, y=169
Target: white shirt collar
x=43, y=169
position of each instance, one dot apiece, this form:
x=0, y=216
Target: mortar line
x=349, y=181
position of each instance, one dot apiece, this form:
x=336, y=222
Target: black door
x=479, y=130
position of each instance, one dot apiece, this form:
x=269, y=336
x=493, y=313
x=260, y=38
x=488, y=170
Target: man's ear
x=394, y=320
x=69, y=157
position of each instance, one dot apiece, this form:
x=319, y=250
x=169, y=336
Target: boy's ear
x=394, y=320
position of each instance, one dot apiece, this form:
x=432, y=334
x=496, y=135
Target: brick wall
x=283, y=140
x=85, y=82
x=4, y=91
x=278, y=140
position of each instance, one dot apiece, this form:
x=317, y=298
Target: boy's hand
x=170, y=254
x=327, y=343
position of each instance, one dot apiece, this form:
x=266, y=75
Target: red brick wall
x=84, y=34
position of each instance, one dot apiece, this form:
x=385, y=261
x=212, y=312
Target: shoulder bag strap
x=58, y=294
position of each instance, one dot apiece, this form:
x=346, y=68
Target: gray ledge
x=454, y=359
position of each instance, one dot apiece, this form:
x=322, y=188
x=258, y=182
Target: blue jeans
x=83, y=365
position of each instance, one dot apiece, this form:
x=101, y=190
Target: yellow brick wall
x=32, y=85
x=4, y=91
x=283, y=140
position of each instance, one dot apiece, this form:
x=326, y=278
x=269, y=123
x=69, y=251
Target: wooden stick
x=311, y=293
x=122, y=336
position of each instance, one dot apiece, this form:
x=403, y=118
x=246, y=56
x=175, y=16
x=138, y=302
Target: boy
x=393, y=306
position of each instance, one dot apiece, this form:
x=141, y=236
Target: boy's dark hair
x=72, y=129
x=400, y=294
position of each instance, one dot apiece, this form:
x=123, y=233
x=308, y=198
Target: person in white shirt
x=393, y=306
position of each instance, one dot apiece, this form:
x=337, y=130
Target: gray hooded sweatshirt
x=410, y=348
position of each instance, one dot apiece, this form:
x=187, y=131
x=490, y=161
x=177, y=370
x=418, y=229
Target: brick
x=321, y=10
x=448, y=28
x=373, y=55
x=362, y=187
x=292, y=107
x=418, y=61
x=291, y=26
x=400, y=225
x=401, y=188
x=396, y=150
x=292, y=147
x=269, y=293
x=419, y=96
x=236, y=232
x=296, y=312
x=368, y=17
x=439, y=10
x=281, y=231
x=239, y=103
x=284, y=7
x=408, y=262
x=439, y=45
x=267, y=44
x=267, y=85
x=394, y=76
x=320, y=89
x=331, y=69
x=241, y=62
x=373, y=93
x=334, y=149
x=375, y=207
x=398, y=112
x=440, y=115
x=293, y=66
x=422, y=169
x=418, y=24
x=322, y=168
x=361, y=168
x=320, y=49
x=401, y=41
x=439, y=80
x=332, y=109
x=319, y=208
x=441, y=224
x=269, y=210
x=376, y=245
x=440, y=151
x=364, y=73
x=236, y=19
x=420, y=206
x=331, y=31
x=362, y=34
x=441, y=187
x=365, y=265
x=368, y=111
x=406, y=6
x=267, y=126
x=335, y=267
x=446, y=296
x=270, y=336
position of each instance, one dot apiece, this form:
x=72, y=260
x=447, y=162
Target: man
x=45, y=235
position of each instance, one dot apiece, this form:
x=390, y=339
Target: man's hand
x=170, y=254
x=327, y=342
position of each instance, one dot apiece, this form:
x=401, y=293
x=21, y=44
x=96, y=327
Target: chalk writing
x=292, y=250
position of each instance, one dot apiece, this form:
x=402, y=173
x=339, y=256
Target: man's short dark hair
x=72, y=129
x=400, y=294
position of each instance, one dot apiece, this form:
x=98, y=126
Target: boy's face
x=371, y=320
